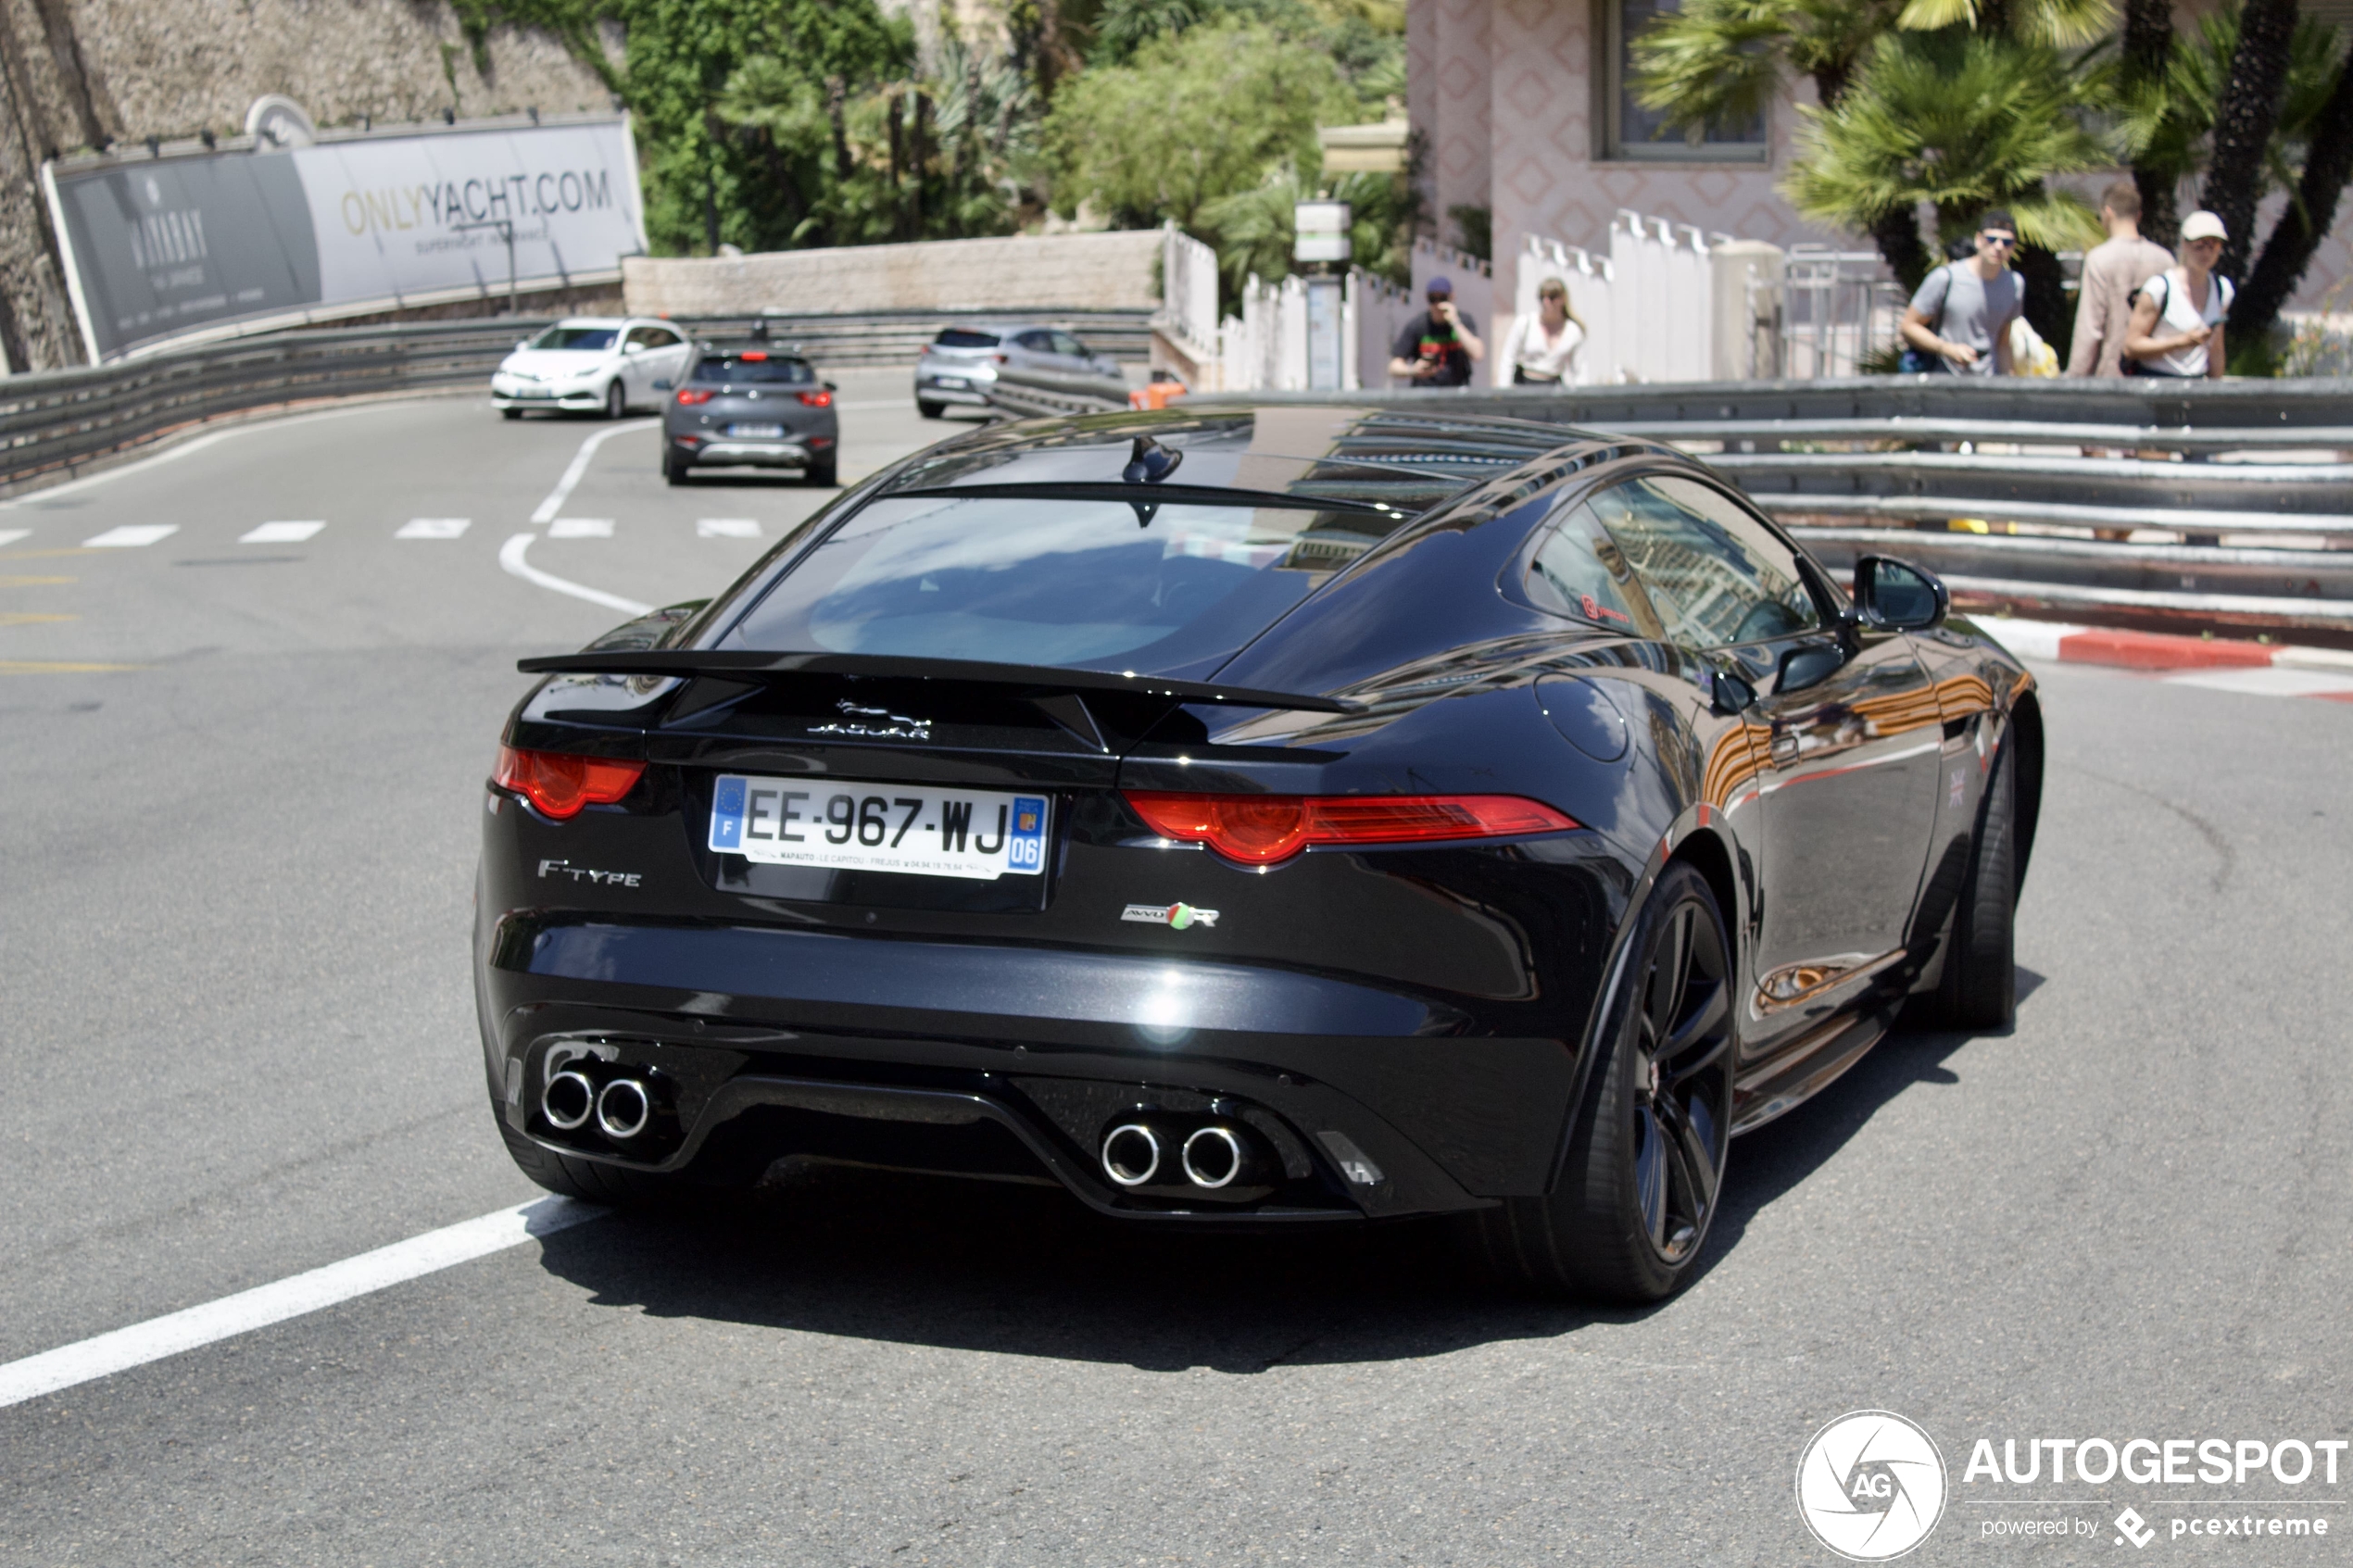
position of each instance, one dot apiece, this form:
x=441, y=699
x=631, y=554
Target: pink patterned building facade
x=1519, y=108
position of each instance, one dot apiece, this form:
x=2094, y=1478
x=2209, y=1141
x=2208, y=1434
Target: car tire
x=590, y=1179
x=1629, y=1217
x=616, y=400
x=1980, y=989
x=512, y=413
x=931, y=410
x=824, y=475
x=674, y=468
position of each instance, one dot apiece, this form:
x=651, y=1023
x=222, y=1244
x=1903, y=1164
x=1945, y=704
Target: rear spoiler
x=1031, y=678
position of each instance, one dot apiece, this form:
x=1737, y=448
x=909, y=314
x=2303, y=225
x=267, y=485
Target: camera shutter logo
x=1871, y=1485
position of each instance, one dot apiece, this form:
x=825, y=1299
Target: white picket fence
x=1669, y=302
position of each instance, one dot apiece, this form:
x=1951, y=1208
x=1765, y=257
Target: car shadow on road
x=1029, y=1271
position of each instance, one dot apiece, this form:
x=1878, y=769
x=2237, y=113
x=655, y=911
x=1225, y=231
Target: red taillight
x=1259, y=829
x=561, y=783
x=756, y=356
x=690, y=396
x=819, y=399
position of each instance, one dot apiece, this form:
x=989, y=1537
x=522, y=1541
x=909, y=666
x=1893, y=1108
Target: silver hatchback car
x=959, y=366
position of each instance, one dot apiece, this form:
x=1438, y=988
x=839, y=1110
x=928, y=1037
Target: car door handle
x=1784, y=747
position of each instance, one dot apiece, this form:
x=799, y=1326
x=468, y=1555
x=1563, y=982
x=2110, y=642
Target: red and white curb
x=2261, y=669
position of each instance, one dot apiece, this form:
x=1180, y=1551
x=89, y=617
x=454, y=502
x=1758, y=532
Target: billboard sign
x=160, y=248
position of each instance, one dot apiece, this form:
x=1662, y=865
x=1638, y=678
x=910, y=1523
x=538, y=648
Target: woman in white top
x=2177, y=317
x=1541, y=350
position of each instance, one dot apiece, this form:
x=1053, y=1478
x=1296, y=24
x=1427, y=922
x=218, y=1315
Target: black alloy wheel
x=1981, y=969
x=616, y=400
x=1628, y=1218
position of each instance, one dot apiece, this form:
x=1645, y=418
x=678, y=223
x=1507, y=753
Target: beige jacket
x=2103, y=306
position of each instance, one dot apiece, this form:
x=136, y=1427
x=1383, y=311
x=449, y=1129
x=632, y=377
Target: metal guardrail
x=57, y=423
x=2101, y=460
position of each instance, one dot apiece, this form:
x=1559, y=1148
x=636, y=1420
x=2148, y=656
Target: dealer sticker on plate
x=877, y=827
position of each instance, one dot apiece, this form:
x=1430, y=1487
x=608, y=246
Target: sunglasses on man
x=1994, y=239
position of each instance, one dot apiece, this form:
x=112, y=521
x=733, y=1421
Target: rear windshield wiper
x=739, y=664
x=1162, y=495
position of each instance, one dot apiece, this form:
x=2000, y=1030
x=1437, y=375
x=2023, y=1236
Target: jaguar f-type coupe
x=1255, y=816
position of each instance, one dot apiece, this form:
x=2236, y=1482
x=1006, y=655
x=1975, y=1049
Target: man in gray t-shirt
x=1960, y=318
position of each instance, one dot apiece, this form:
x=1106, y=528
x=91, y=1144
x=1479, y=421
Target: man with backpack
x=1959, y=321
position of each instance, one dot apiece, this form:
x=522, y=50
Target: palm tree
x=1719, y=60
x=1961, y=121
x=2244, y=122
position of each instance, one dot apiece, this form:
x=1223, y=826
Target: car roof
x=1410, y=460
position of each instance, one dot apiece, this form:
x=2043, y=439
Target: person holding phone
x=2178, y=314
x=1439, y=347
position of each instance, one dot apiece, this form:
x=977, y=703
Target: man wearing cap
x=1959, y=321
x=1439, y=347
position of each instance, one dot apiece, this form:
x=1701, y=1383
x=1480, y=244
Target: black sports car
x=1289, y=815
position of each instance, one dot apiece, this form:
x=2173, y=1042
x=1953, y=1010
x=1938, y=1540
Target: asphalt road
x=237, y=1042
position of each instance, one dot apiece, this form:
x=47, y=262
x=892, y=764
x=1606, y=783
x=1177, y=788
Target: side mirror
x=632, y=348
x=1804, y=666
x=661, y=386
x=831, y=387
x=1728, y=692
x=1894, y=595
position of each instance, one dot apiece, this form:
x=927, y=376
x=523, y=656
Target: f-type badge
x=1175, y=916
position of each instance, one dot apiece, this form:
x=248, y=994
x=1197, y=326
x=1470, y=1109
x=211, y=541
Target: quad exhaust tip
x=624, y=1109
x=1212, y=1157
x=568, y=1101
x=1132, y=1154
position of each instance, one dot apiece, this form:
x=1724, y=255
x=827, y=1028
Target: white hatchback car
x=586, y=363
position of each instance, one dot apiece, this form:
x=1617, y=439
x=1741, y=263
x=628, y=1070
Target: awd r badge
x=1176, y=917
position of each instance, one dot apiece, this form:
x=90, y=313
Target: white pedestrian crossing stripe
x=130, y=536
x=280, y=533
x=727, y=527
x=11, y=535
x=434, y=528
x=581, y=528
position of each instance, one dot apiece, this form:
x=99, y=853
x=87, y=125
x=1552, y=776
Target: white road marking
x=581, y=528
x=722, y=528
x=2261, y=682
x=130, y=536
x=511, y=559
x=579, y=468
x=280, y=533
x=11, y=535
x=434, y=528
x=197, y=444
x=303, y=1293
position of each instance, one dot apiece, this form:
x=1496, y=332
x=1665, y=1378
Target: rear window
x=742, y=369
x=957, y=337
x=1083, y=583
x=576, y=337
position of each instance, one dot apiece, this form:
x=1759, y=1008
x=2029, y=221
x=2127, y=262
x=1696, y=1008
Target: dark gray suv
x=749, y=404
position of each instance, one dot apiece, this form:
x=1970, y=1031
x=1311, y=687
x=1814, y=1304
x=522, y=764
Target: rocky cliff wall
x=83, y=74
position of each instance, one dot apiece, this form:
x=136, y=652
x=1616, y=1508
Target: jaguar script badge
x=874, y=723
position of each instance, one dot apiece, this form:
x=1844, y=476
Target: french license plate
x=531, y=392
x=975, y=834
x=947, y=381
x=756, y=433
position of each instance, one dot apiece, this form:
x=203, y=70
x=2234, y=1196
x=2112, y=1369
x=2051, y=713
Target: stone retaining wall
x=1102, y=271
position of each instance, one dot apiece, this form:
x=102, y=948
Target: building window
x=1634, y=134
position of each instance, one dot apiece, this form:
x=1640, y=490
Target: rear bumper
x=774, y=1042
